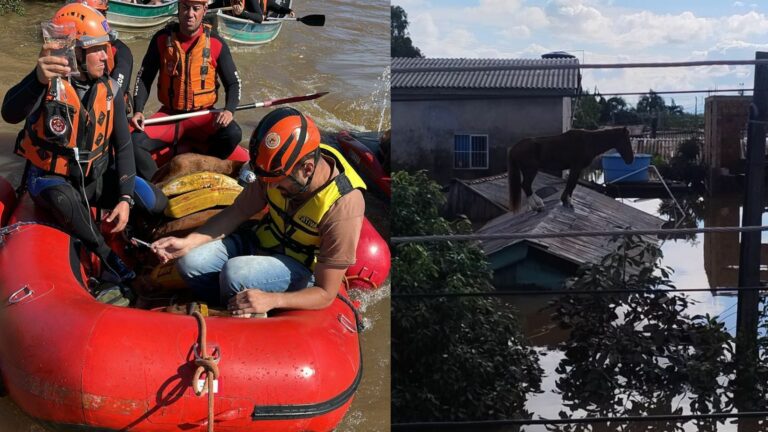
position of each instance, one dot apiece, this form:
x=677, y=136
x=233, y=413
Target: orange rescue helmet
x=91, y=27
x=280, y=140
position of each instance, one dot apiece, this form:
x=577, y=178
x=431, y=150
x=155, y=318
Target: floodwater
x=707, y=261
x=348, y=57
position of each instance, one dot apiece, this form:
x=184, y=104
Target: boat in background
x=247, y=32
x=127, y=15
x=366, y=163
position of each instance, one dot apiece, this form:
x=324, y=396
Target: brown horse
x=573, y=150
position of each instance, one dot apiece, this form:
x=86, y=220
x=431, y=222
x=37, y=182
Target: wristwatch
x=128, y=199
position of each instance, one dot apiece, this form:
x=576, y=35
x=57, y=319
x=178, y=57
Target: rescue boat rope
x=205, y=363
x=366, y=279
x=358, y=317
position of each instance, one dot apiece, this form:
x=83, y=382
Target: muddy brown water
x=349, y=57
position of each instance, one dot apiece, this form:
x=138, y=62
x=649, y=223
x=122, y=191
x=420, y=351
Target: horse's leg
x=534, y=202
x=573, y=178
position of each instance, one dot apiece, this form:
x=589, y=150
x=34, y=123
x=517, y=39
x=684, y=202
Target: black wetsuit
x=253, y=10
x=65, y=197
x=224, y=140
x=123, y=70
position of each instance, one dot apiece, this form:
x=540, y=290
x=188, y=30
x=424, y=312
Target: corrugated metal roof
x=529, y=79
x=592, y=210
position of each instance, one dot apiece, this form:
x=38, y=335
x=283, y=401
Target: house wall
x=521, y=265
x=725, y=118
x=464, y=201
x=423, y=138
x=722, y=250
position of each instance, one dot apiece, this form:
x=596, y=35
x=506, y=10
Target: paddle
x=310, y=20
x=267, y=103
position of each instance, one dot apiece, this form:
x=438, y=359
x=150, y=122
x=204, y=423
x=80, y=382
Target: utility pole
x=749, y=259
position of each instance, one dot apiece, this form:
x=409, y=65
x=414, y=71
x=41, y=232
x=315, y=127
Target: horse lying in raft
x=572, y=150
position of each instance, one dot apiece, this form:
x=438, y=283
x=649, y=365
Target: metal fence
x=666, y=143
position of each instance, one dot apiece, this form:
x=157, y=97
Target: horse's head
x=624, y=146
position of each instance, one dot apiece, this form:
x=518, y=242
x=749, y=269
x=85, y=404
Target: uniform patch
x=272, y=140
x=57, y=125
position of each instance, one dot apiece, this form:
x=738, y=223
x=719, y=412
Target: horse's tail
x=513, y=177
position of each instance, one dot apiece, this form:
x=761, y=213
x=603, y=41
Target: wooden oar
x=310, y=20
x=267, y=103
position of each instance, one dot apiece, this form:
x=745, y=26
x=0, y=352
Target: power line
x=531, y=236
x=468, y=425
x=669, y=92
x=575, y=65
x=575, y=292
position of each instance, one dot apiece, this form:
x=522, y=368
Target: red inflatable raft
x=366, y=163
x=69, y=359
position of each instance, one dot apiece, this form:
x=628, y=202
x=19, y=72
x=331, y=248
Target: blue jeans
x=218, y=270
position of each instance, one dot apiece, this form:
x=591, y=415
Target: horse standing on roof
x=572, y=150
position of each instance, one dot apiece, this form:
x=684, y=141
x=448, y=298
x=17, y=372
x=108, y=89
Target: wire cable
x=532, y=236
x=529, y=293
x=575, y=65
x=647, y=92
x=470, y=425
x=85, y=196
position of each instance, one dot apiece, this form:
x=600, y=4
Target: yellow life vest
x=65, y=130
x=186, y=81
x=297, y=235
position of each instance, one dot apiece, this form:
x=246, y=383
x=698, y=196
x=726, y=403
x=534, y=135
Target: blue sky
x=603, y=31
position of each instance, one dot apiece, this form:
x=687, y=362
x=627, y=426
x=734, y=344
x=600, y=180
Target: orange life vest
x=186, y=81
x=65, y=130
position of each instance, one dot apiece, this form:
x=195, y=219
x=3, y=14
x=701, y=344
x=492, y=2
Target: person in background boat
x=120, y=62
x=189, y=58
x=296, y=257
x=84, y=114
x=254, y=10
x=148, y=2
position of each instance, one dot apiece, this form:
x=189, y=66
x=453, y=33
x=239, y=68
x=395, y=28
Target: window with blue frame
x=470, y=151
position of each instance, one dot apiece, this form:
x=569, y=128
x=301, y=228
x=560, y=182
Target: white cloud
x=738, y=4
x=599, y=32
x=516, y=32
x=751, y=23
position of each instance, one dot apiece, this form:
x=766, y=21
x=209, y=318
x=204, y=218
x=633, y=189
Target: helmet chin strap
x=305, y=186
x=82, y=66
